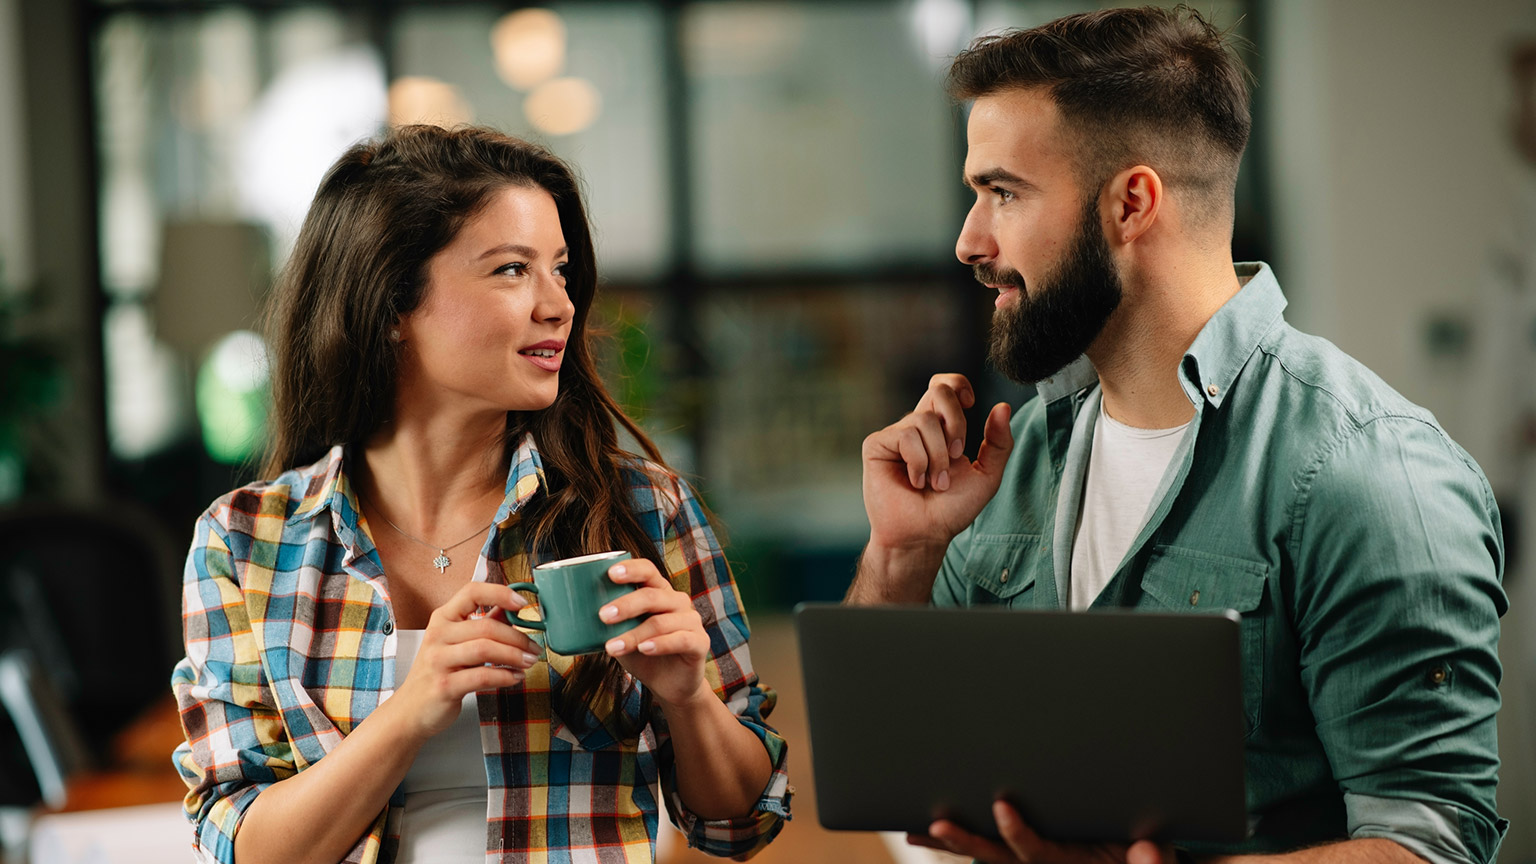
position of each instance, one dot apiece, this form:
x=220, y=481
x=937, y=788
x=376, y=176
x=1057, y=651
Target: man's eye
x=1002, y=194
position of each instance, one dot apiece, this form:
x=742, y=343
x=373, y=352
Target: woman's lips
x=545, y=355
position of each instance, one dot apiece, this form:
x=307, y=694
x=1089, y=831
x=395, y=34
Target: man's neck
x=1137, y=355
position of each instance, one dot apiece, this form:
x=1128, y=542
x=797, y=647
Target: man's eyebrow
x=518, y=249
x=993, y=176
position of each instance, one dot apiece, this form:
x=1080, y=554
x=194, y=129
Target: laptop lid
x=1110, y=725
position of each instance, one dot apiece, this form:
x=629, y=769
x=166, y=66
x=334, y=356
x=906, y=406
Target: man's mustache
x=986, y=274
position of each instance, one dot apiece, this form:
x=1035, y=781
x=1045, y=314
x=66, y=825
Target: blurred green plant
x=625, y=358
x=31, y=384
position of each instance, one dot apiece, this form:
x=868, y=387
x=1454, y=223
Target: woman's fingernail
x=614, y=646
x=647, y=647
x=530, y=659
x=941, y=482
x=608, y=613
x=956, y=447
x=617, y=570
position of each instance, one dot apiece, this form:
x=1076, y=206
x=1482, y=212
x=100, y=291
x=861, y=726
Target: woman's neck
x=435, y=478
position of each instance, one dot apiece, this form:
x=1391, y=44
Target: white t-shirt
x=445, y=789
x=1124, y=471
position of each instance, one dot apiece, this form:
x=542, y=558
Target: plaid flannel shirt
x=290, y=644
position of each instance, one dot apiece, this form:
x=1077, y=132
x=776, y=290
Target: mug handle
x=524, y=622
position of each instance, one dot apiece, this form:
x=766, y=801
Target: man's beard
x=1046, y=327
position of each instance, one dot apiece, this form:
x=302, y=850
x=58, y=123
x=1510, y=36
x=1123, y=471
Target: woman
x=433, y=386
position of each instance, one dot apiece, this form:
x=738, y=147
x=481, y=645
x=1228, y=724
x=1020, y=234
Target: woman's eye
x=516, y=268
x=562, y=269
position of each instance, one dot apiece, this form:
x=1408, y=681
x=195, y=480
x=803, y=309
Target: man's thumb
x=997, y=441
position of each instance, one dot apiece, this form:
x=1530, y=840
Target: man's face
x=1034, y=236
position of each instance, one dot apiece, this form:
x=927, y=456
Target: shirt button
x=1194, y=599
x=1213, y=389
x=1437, y=675
x=1004, y=577
x=389, y=627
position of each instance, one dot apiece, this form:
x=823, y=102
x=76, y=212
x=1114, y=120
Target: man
x=1188, y=449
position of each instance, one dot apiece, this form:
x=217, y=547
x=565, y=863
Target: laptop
x=1098, y=726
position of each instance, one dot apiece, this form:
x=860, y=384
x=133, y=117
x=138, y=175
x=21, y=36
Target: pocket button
x=1194, y=599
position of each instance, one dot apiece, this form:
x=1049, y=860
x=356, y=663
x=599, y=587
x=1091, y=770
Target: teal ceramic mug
x=571, y=592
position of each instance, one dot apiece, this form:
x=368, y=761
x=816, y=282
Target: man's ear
x=1135, y=197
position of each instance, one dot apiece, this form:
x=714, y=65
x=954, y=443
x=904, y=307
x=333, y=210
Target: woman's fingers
x=473, y=597
x=478, y=652
x=486, y=627
x=660, y=629
x=476, y=678
x=638, y=571
x=645, y=601
x=680, y=642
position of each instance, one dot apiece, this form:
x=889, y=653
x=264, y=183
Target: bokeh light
x=529, y=46
x=563, y=106
x=419, y=99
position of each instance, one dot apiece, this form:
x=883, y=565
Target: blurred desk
x=141, y=770
x=127, y=813
x=145, y=834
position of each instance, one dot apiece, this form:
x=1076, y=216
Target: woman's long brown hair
x=360, y=262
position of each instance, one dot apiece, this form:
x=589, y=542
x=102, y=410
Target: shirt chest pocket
x=1191, y=580
x=1001, y=569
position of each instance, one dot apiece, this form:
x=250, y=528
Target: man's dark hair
x=1160, y=87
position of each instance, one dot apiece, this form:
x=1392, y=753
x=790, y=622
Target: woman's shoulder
x=654, y=487
x=280, y=497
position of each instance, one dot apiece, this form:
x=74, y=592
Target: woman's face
x=490, y=331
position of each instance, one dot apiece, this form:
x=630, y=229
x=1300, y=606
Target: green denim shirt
x=1360, y=544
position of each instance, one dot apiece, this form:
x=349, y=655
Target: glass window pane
x=211, y=125
x=606, y=57
x=799, y=377
x=821, y=137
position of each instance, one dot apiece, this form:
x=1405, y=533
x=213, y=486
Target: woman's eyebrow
x=518, y=249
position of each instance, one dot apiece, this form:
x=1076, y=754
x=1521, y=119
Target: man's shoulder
x=1302, y=371
x=1322, y=405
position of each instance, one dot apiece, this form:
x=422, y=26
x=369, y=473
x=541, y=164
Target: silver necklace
x=442, y=562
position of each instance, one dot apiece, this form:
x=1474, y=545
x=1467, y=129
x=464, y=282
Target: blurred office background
x=775, y=191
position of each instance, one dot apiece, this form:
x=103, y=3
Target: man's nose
x=976, y=245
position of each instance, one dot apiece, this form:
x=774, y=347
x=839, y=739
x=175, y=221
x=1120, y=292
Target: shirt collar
x=1218, y=353
x=327, y=488
x=1225, y=343
x=324, y=483
x=524, y=480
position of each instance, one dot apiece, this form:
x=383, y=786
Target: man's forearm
x=1366, y=850
x=887, y=575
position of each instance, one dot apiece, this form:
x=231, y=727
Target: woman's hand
x=458, y=644
x=667, y=650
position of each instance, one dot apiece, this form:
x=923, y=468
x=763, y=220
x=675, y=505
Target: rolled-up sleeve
x=235, y=744
x=1399, y=555
x=696, y=564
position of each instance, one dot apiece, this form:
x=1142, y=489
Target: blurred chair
x=92, y=594
x=39, y=746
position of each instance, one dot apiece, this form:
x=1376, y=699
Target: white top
x=1124, y=471
x=445, y=789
